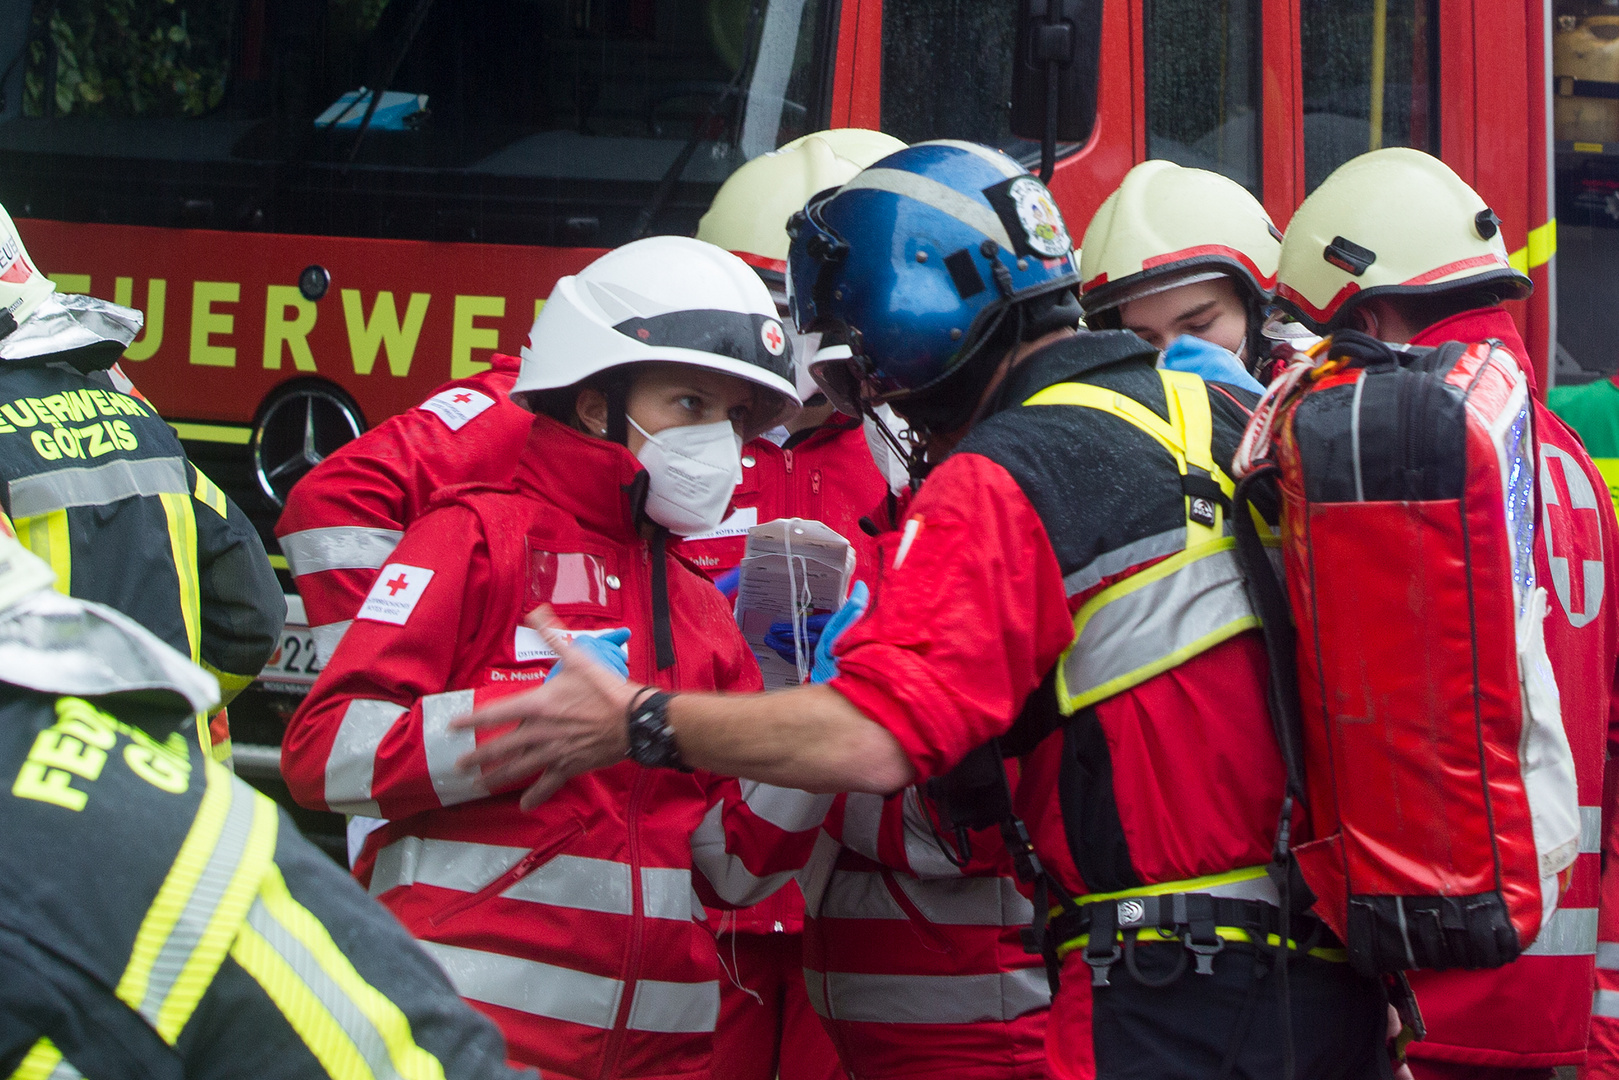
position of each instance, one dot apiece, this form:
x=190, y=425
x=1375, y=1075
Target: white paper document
x=790, y=568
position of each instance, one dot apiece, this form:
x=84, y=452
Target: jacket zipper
x=632, y=970
x=523, y=867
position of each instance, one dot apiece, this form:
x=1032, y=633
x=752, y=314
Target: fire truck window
x=1203, y=87
x=1371, y=71
x=518, y=121
x=928, y=47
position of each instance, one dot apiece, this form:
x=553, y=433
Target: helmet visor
x=815, y=249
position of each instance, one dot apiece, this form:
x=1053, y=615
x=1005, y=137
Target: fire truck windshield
x=508, y=121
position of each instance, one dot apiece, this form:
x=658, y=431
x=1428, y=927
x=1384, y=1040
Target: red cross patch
x=394, y=594
x=771, y=334
x=458, y=406
x=1572, y=523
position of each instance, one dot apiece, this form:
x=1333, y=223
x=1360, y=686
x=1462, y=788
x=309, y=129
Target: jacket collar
x=1477, y=325
x=598, y=482
x=1068, y=359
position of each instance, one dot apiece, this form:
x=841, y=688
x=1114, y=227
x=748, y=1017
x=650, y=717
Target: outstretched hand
x=574, y=722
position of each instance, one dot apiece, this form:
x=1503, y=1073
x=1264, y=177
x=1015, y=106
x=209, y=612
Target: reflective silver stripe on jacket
x=1569, y=932
x=922, y=851
x=968, y=901
x=97, y=485
x=328, y=637
x=1606, y=1004
x=1159, y=619
x=353, y=760
x=1121, y=559
x=354, y=1020
x=1608, y=955
x=862, y=820
x=788, y=809
x=338, y=547
x=1590, y=830
x=443, y=745
x=726, y=873
x=560, y=993
x=928, y=999
x=187, y=932
x=566, y=881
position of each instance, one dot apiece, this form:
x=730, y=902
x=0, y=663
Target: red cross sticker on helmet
x=770, y=333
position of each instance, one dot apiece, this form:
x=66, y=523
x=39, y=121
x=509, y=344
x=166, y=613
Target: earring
x=604, y=431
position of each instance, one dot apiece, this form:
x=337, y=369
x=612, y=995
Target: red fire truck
x=328, y=207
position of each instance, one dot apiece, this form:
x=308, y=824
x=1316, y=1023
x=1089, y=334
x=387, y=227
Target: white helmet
x=749, y=214
x=666, y=298
x=1167, y=226
x=22, y=287
x=1390, y=222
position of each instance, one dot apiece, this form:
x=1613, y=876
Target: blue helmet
x=907, y=269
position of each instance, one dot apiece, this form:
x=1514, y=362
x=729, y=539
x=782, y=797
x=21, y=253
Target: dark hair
x=1425, y=309
x=561, y=404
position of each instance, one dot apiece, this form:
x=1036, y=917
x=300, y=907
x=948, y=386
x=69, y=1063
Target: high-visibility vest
x=1165, y=613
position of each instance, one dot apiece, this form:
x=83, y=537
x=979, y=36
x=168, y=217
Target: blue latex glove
x=608, y=649
x=728, y=582
x=780, y=636
x=1210, y=362
x=826, y=665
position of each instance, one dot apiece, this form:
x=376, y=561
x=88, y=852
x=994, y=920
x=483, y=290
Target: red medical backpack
x=1438, y=780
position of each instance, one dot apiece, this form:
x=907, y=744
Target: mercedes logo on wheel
x=297, y=430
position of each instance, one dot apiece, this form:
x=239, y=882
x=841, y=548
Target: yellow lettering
x=57, y=404
x=56, y=749
x=66, y=443
x=43, y=412
x=277, y=299
x=44, y=446
x=74, y=283
x=383, y=329
x=79, y=406
x=19, y=413
x=205, y=322
x=103, y=406
x=538, y=306
x=151, y=339
x=98, y=445
x=124, y=437
x=36, y=782
x=84, y=721
x=157, y=768
x=6, y=428
x=466, y=334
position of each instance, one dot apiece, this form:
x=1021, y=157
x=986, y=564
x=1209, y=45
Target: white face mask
x=889, y=463
x=692, y=469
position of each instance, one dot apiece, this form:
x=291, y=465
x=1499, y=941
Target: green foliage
x=129, y=57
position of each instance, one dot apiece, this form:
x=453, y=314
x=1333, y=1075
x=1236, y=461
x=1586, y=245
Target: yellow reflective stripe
x=47, y=536
x=1538, y=251
x=40, y=1061
x=330, y=1038
x=177, y=888
x=1152, y=934
x=1189, y=414
x=209, y=495
x=1127, y=409
x=1163, y=888
x=1072, y=702
x=221, y=433
x=230, y=683
x=316, y=1026
x=183, y=546
x=229, y=912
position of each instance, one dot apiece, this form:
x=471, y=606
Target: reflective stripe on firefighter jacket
x=97, y=485
x=1159, y=616
x=1532, y=1013
x=344, y=519
x=575, y=927
x=182, y=925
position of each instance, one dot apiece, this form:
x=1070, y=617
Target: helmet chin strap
x=618, y=427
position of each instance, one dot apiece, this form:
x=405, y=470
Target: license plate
x=296, y=663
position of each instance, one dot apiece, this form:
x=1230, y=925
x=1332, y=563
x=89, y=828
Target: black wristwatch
x=652, y=740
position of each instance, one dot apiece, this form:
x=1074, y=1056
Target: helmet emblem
x=770, y=333
x=1043, y=227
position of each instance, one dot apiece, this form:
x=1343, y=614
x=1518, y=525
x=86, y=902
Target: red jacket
x=1533, y=1013
x=827, y=476
x=343, y=519
x=573, y=927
